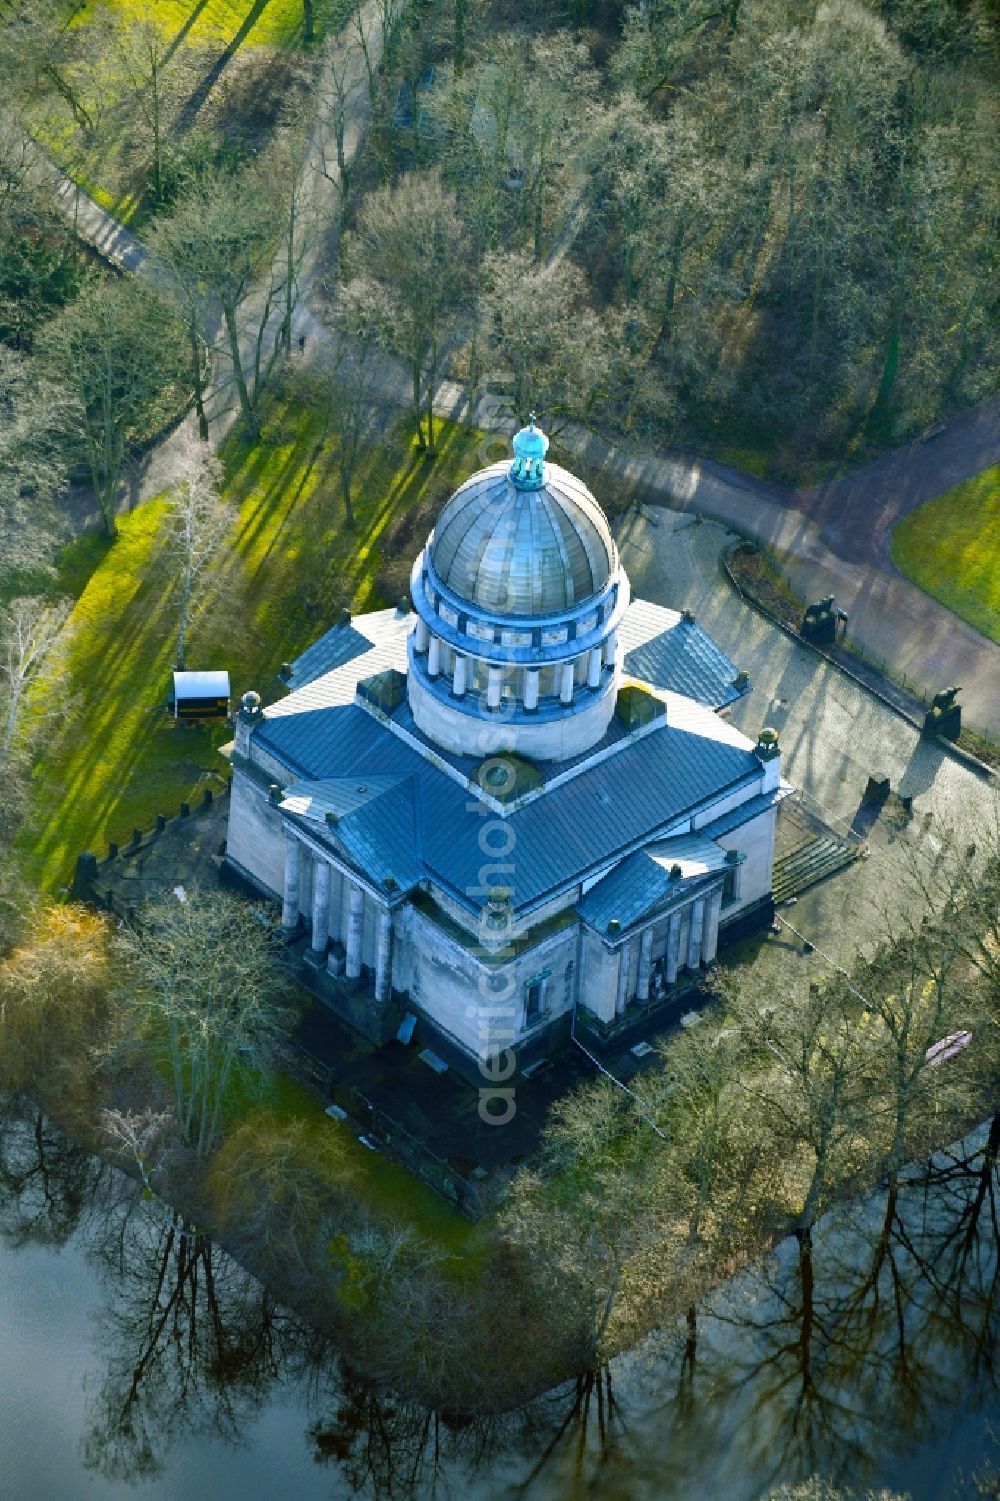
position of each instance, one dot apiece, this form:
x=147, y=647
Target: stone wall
x=455, y=987
x=255, y=840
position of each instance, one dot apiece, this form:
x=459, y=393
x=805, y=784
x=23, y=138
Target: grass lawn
x=951, y=547
x=262, y=22
x=115, y=759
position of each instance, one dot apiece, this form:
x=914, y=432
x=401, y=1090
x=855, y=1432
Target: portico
x=652, y=955
x=331, y=900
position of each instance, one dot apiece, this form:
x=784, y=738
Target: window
x=533, y=996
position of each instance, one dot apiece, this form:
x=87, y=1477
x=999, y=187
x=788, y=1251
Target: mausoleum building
x=517, y=806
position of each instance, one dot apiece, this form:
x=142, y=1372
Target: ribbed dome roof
x=518, y=551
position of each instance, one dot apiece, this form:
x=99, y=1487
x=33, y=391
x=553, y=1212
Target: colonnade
x=701, y=947
x=596, y=659
x=296, y=855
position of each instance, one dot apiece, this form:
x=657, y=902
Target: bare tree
x=143, y=1138
x=411, y=244
x=560, y=355
x=55, y=1008
x=34, y=633
x=591, y=1211
x=288, y=1187
x=197, y=522
x=219, y=244
x=38, y=53
x=807, y=1073
x=40, y=262
x=32, y=468
x=350, y=382
x=340, y=82
x=202, y=984
x=154, y=68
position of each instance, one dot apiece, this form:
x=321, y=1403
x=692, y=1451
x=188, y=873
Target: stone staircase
x=806, y=863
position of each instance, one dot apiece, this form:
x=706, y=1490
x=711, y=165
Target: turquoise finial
x=530, y=447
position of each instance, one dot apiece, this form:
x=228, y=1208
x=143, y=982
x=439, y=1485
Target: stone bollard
x=136, y=838
x=185, y=810
x=112, y=849
x=206, y=797
x=161, y=823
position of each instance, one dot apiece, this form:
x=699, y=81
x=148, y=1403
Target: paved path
x=830, y=539
x=833, y=736
x=856, y=512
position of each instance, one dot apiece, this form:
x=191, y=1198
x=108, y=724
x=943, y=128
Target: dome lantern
x=527, y=472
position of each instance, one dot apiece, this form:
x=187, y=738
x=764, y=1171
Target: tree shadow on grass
x=182, y=35
x=189, y=110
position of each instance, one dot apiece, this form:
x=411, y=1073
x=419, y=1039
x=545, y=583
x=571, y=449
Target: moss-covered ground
x=951, y=547
x=393, y=1194
x=115, y=758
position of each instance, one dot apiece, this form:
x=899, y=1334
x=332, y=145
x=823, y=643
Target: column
x=290, y=902
x=355, y=929
x=594, y=668
x=531, y=688
x=422, y=635
x=566, y=683
x=611, y=649
x=645, y=964
x=460, y=677
x=673, y=947
x=710, y=933
x=383, y=956
x=434, y=657
x=320, y=907
x=494, y=687
x=694, y=935
x=621, y=1000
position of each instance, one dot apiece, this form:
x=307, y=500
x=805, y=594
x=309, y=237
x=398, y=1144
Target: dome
x=526, y=538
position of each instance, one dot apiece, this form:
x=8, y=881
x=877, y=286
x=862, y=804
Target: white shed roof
x=201, y=685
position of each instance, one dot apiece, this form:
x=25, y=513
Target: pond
x=138, y=1360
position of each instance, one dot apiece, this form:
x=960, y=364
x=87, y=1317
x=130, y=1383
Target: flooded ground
x=136, y=1359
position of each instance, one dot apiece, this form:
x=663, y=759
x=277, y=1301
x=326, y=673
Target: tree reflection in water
x=844, y=1348
x=47, y=1184
x=192, y=1343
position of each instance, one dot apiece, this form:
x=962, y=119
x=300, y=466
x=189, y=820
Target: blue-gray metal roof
x=336, y=648
x=643, y=881
x=602, y=810
x=374, y=823
x=684, y=659
x=738, y=816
